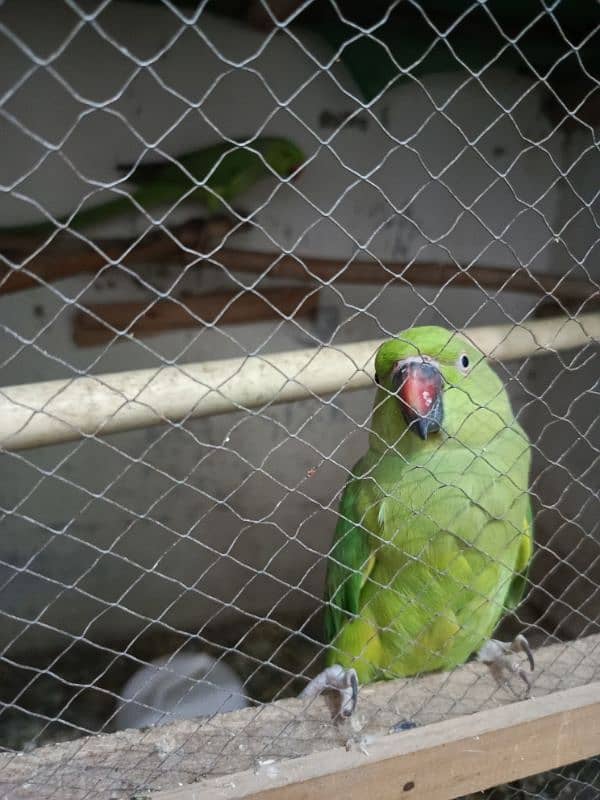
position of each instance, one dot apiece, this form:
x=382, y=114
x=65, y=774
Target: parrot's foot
x=343, y=681
x=499, y=658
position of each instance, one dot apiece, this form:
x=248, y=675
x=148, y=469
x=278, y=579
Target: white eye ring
x=463, y=363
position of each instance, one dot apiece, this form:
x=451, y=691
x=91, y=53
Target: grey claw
x=354, y=685
x=525, y=678
x=497, y=656
x=336, y=679
x=524, y=646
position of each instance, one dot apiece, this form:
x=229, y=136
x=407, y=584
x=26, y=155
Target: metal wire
x=213, y=535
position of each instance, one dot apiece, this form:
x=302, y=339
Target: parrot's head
x=433, y=385
x=283, y=156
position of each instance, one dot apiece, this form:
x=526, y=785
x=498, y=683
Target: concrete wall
x=564, y=424
x=223, y=517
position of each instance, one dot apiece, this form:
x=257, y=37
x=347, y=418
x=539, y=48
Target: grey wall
x=564, y=423
x=223, y=518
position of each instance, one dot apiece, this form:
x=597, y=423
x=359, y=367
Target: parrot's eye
x=463, y=363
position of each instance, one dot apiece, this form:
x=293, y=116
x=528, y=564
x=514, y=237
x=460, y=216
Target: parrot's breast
x=446, y=534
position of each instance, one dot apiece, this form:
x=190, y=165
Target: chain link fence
x=212, y=213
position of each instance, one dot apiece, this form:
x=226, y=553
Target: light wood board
x=438, y=762
x=208, y=754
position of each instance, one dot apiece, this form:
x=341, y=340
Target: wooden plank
x=49, y=412
x=97, y=323
x=442, y=761
x=257, y=740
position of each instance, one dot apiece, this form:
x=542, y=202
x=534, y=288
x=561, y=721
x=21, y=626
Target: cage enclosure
x=212, y=215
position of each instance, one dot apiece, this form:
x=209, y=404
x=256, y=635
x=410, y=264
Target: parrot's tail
x=89, y=216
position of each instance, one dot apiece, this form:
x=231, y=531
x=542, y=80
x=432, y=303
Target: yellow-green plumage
x=435, y=535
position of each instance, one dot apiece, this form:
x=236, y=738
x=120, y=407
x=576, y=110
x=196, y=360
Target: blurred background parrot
x=225, y=169
x=435, y=529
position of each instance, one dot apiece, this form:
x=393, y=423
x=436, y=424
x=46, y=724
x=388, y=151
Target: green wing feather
x=518, y=585
x=347, y=569
x=198, y=163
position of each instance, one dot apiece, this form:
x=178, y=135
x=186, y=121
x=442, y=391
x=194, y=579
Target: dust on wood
x=134, y=763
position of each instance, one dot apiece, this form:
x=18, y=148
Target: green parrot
x=435, y=528
x=165, y=182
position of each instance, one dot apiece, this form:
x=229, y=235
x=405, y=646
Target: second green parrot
x=435, y=524
x=208, y=176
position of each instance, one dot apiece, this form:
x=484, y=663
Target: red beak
x=419, y=387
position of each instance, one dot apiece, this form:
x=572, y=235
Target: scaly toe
x=343, y=681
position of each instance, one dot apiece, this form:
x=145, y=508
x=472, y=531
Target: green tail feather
x=89, y=216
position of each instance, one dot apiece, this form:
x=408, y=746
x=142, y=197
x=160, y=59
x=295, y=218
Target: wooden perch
x=471, y=735
x=98, y=323
x=445, y=760
x=58, y=261
x=56, y=411
x=421, y=273
x=201, y=236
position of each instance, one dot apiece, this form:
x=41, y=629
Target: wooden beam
x=439, y=762
x=260, y=748
x=420, y=273
x=49, y=412
x=59, y=260
x=200, y=236
x=97, y=323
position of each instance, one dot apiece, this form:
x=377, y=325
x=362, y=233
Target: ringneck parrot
x=226, y=169
x=435, y=528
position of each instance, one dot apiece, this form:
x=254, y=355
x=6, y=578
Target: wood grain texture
x=419, y=273
x=192, y=240
x=99, y=323
x=42, y=264
x=263, y=742
x=439, y=762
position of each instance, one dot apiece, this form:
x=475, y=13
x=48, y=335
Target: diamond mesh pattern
x=449, y=176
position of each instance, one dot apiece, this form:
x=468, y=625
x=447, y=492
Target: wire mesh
x=330, y=174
